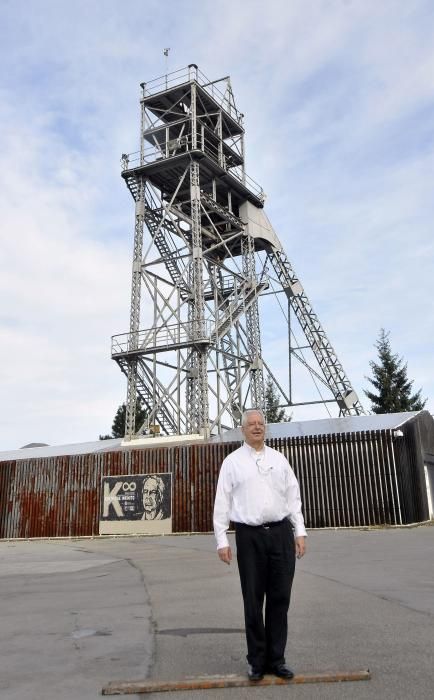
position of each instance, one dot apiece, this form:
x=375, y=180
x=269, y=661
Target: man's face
x=151, y=496
x=254, y=430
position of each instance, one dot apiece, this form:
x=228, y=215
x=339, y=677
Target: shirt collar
x=251, y=450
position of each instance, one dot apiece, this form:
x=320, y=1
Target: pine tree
x=118, y=426
x=273, y=412
x=391, y=382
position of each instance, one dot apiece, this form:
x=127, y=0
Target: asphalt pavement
x=77, y=614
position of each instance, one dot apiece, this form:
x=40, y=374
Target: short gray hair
x=247, y=413
x=158, y=480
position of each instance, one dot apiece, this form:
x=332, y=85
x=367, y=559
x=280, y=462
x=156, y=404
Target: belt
x=266, y=526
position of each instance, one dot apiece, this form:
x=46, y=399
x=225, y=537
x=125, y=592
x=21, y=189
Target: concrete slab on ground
x=77, y=614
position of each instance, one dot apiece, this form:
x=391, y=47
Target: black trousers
x=266, y=562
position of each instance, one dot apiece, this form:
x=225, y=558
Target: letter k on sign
x=111, y=499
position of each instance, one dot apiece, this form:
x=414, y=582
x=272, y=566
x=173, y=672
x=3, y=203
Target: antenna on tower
x=166, y=55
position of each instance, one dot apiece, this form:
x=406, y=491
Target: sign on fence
x=136, y=504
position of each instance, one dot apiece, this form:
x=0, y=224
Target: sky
x=338, y=98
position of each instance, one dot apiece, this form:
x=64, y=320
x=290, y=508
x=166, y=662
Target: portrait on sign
x=139, y=503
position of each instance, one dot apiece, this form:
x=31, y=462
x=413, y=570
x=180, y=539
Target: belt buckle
x=266, y=527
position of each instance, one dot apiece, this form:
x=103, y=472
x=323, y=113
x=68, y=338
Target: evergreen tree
x=273, y=412
x=118, y=426
x=391, y=382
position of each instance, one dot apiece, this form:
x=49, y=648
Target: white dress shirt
x=255, y=488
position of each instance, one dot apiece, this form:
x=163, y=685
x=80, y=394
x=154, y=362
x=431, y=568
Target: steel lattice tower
x=210, y=253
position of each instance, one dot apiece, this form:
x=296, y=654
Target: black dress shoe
x=282, y=671
x=255, y=674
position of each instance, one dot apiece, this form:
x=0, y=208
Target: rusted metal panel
x=231, y=681
x=345, y=480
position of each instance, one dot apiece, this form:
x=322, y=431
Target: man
x=258, y=491
x=152, y=495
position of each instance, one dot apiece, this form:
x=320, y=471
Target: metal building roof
x=78, y=448
x=84, y=448
x=327, y=426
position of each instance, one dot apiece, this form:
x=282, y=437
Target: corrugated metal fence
x=346, y=479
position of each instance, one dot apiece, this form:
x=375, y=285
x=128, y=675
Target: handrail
x=186, y=75
x=160, y=337
x=154, y=153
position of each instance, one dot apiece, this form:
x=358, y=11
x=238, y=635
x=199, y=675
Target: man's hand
x=300, y=546
x=225, y=554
